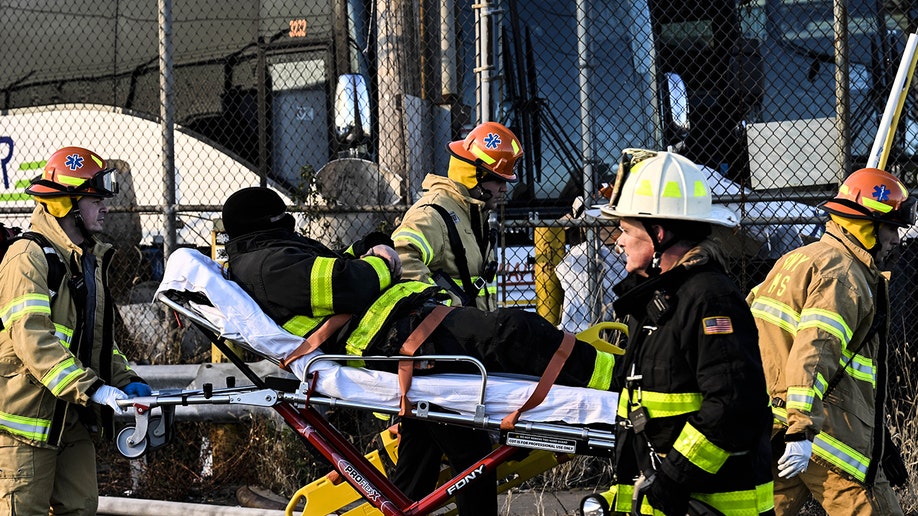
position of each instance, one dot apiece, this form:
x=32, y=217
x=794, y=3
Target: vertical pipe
x=261, y=71
x=644, y=60
x=585, y=68
x=482, y=60
x=842, y=96
x=390, y=77
x=447, y=49
x=167, y=116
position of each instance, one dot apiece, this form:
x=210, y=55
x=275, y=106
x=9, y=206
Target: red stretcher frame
x=351, y=465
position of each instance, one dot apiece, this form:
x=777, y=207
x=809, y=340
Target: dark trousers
x=510, y=341
x=422, y=445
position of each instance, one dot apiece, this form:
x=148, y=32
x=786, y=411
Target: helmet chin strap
x=78, y=219
x=658, y=249
x=481, y=193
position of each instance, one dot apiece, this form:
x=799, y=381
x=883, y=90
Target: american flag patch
x=719, y=325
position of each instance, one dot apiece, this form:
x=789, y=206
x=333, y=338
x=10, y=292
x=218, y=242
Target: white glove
x=108, y=395
x=795, y=459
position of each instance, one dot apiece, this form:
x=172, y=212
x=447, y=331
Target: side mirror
x=675, y=100
x=352, y=110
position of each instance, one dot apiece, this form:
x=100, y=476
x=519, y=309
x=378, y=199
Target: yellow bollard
x=549, y=250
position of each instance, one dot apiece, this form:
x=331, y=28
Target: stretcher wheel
x=130, y=450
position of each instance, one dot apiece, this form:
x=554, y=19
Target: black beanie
x=255, y=209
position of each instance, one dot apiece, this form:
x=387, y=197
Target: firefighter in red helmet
x=62, y=373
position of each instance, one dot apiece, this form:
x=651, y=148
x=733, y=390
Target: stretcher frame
x=296, y=402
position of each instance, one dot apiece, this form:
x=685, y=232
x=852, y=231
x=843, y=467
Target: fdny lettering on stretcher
x=451, y=490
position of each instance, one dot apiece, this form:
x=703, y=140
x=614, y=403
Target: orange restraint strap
x=412, y=343
x=316, y=338
x=545, y=382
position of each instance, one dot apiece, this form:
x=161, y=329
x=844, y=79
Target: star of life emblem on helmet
x=492, y=140
x=881, y=193
x=74, y=161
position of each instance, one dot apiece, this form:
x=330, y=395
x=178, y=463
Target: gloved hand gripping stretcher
x=194, y=286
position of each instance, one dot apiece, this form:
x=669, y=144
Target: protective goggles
x=907, y=212
x=103, y=183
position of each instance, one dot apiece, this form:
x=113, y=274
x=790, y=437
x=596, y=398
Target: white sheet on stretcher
x=239, y=318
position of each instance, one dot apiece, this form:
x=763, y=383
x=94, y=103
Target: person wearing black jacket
x=693, y=420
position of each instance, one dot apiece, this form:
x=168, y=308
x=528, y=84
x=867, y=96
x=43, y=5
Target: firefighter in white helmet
x=693, y=419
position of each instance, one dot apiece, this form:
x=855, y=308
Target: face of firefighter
x=636, y=244
x=93, y=211
x=492, y=193
x=887, y=244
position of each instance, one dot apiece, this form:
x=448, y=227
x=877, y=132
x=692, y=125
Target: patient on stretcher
x=353, y=302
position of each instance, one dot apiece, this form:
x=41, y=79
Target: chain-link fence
x=344, y=105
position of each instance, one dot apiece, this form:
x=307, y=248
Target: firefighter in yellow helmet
x=823, y=316
x=62, y=373
x=692, y=432
x=445, y=238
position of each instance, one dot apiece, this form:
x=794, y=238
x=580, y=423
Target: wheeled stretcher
x=568, y=421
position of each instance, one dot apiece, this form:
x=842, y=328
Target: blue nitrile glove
x=108, y=395
x=795, y=459
x=137, y=389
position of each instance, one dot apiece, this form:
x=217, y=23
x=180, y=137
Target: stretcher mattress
x=238, y=318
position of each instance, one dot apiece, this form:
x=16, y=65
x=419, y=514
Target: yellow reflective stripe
x=841, y=455
x=61, y=375
x=876, y=205
x=302, y=325
x=820, y=385
x=623, y=494
x=859, y=368
x=64, y=334
x=777, y=313
x=644, y=188
x=831, y=322
x=665, y=404
x=482, y=155
x=378, y=313
x=699, y=450
x=751, y=501
x=622, y=410
x=701, y=190
x=22, y=305
x=747, y=502
x=70, y=180
x=834, y=451
x=801, y=398
x=118, y=353
x=320, y=286
x=382, y=271
x=417, y=240
x=672, y=189
x=780, y=414
x=601, y=378
x=31, y=428
x=350, y=251
x=765, y=497
x=662, y=404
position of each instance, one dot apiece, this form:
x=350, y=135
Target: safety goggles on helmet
x=102, y=184
x=873, y=194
